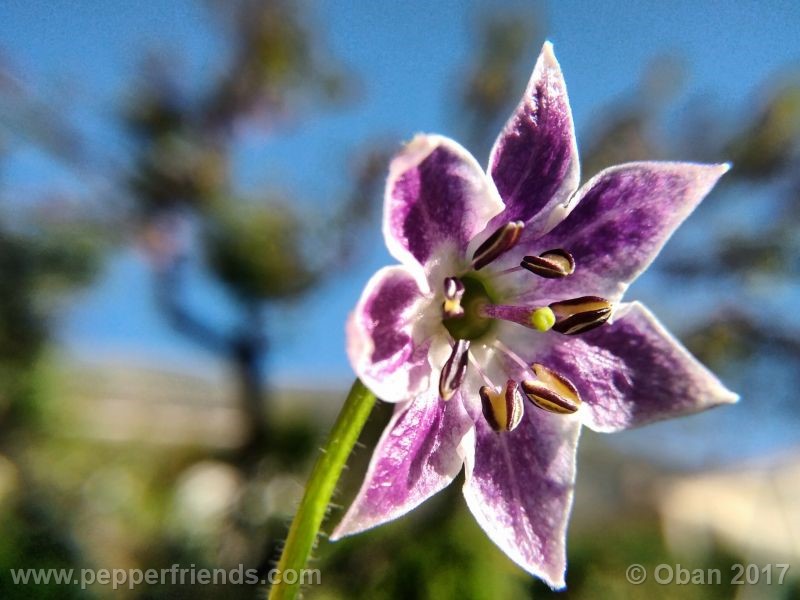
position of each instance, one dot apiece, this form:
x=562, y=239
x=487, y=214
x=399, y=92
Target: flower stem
x=319, y=489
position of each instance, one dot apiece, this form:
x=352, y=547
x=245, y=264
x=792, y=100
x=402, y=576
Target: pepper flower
x=503, y=330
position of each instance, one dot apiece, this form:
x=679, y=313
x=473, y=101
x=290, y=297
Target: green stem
x=320, y=486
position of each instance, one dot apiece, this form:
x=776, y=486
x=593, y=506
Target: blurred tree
x=489, y=83
x=258, y=250
x=190, y=218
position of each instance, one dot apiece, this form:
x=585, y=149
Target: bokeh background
x=190, y=199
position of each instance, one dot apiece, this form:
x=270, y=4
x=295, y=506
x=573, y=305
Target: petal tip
x=717, y=393
x=417, y=149
x=556, y=579
x=719, y=169
x=547, y=57
x=412, y=152
x=711, y=173
x=351, y=525
x=728, y=397
x=707, y=176
x=337, y=534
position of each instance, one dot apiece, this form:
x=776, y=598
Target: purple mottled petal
x=621, y=220
x=633, y=372
x=436, y=195
x=386, y=341
x=417, y=456
x=534, y=162
x=519, y=488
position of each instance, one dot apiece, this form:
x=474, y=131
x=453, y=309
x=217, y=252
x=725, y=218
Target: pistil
x=540, y=318
x=569, y=317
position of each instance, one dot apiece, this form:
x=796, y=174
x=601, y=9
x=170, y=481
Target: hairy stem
x=319, y=489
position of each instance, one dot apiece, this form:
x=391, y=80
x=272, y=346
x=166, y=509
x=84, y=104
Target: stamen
x=552, y=392
x=453, y=293
x=454, y=370
x=552, y=264
x=505, y=272
x=511, y=354
x=497, y=244
x=502, y=409
x=580, y=315
x=480, y=371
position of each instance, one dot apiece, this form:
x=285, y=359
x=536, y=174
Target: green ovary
x=473, y=324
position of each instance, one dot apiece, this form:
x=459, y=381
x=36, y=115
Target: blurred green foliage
x=258, y=251
x=37, y=267
x=767, y=145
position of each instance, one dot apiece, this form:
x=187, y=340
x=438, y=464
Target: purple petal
x=417, y=456
x=534, y=162
x=519, y=488
x=621, y=220
x=386, y=341
x=436, y=195
x=633, y=372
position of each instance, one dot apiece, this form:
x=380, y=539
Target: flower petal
x=417, y=456
x=436, y=194
x=519, y=488
x=387, y=341
x=621, y=220
x=633, y=372
x=534, y=162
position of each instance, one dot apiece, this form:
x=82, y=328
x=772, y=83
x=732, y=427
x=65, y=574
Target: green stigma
x=543, y=318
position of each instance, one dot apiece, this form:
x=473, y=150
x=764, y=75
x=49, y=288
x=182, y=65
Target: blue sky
x=407, y=55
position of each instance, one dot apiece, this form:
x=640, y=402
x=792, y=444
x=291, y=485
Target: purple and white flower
x=502, y=330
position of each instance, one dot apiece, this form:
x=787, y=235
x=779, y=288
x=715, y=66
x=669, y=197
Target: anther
x=453, y=292
x=552, y=264
x=551, y=391
x=580, y=314
x=502, y=409
x=454, y=370
x=500, y=242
